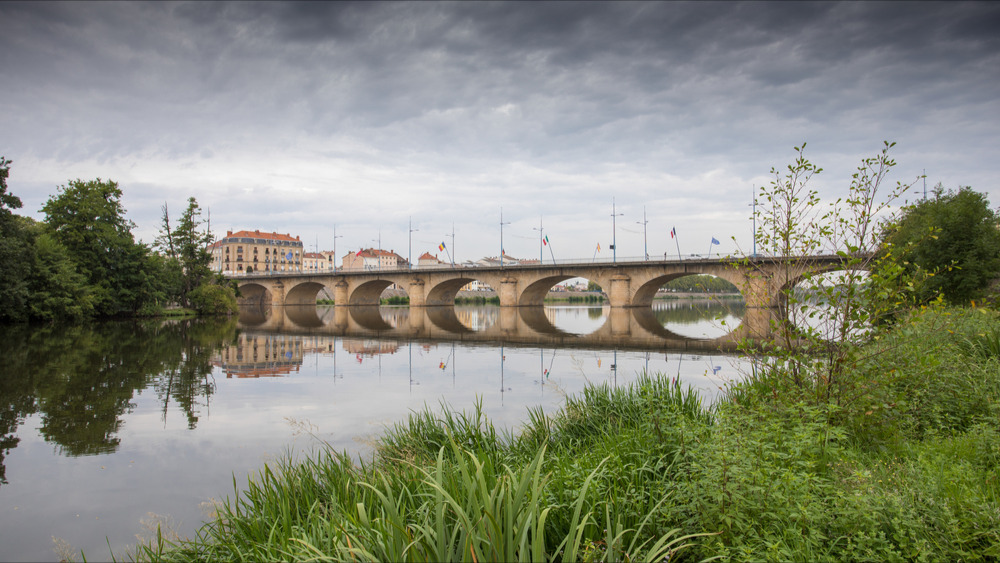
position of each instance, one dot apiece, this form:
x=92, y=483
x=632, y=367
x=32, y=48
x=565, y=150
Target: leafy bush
x=211, y=299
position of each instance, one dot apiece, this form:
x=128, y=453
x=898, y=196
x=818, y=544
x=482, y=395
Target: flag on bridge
x=441, y=246
x=545, y=240
x=673, y=232
x=714, y=242
x=598, y=247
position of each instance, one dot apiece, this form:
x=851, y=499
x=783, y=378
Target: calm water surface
x=108, y=429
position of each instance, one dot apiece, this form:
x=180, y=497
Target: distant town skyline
x=404, y=122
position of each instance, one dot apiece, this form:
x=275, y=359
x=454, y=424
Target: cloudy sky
x=297, y=118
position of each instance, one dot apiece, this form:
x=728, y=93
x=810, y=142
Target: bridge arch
x=445, y=292
x=536, y=291
x=369, y=292
x=303, y=293
x=646, y=292
x=252, y=293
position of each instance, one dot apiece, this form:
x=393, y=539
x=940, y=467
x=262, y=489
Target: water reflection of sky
x=691, y=318
x=344, y=390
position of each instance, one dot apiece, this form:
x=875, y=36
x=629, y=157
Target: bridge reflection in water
x=506, y=356
x=623, y=329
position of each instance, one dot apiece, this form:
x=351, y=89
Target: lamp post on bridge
x=378, y=254
x=540, y=239
x=501, y=236
x=644, y=222
x=409, y=242
x=335, y=237
x=614, y=232
x=451, y=255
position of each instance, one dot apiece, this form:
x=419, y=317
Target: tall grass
x=908, y=469
x=450, y=487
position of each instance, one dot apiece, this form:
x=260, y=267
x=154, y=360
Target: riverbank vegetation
x=82, y=261
x=909, y=469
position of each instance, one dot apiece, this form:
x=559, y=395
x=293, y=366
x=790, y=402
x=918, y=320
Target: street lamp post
x=335, y=237
x=378, y=253
x=540, y=239
x=614, y=232
x=644, y=222
x=501, y=236
x=409, y=242
x=451, y=254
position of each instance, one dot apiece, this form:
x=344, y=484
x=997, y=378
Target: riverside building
x=256, y=252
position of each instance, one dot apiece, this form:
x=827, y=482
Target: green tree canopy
x=185, y=247
x=89, y=220
x=58, y=290
x=15, y=253
x=7, y=201
x=954, y=236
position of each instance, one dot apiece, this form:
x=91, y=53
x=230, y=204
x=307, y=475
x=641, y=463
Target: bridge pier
x=415, y=289
x=340, y=296
x=619, y=294
x=508, y=292
x=759, y=322
x=278, y=292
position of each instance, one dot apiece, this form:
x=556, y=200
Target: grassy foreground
x=908, y=469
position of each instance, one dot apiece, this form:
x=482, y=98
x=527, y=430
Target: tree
x=187, y=246
x=58, y=291
x=812, y=350
x=165, y=240
x=192, y=247
x=89, y=220
x=950, y=242
x=15, y=254
x=7, y=201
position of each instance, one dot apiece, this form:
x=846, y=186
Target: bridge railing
x=622, y=260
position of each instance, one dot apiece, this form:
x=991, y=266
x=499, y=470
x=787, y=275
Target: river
x=108, y=429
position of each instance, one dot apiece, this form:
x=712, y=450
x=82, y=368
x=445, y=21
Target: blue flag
x=714, y=241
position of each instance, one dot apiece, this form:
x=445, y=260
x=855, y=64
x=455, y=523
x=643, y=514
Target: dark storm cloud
x=498, y=96
x=371, y=65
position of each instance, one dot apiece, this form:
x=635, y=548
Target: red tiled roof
x=313, y=255
x=374, y=252
x=263, y=235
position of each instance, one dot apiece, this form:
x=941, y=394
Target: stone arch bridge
x=627, y=284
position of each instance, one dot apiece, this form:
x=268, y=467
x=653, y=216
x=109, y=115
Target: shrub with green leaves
x=212, y=299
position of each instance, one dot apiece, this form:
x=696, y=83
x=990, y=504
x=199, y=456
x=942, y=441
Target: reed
x=449, y=486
